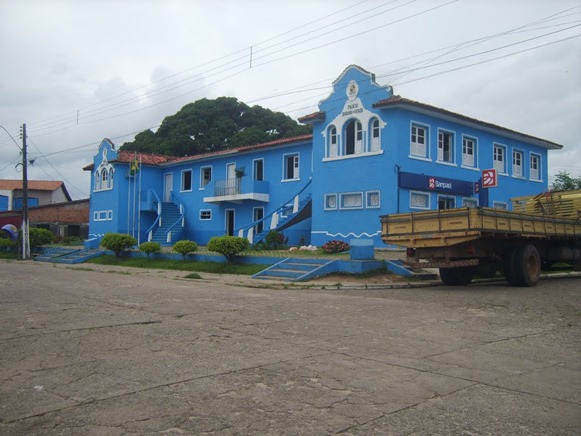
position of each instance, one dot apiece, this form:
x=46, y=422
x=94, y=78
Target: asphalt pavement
x=99, y=350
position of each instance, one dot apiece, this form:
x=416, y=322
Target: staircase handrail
x=176, y=199
x=159, y=209
x=277, y=210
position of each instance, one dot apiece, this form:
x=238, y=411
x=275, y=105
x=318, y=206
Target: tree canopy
x=565, y=182
x=214, y=125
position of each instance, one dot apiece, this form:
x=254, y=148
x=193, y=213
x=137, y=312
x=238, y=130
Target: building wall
x=393, y=178
x=365, y=168
x=62, y=219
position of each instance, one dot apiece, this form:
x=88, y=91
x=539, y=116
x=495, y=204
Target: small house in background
x=40, y=193
x=50, y=207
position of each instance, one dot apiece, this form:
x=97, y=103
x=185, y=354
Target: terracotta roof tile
x=145, y=158
x=37, y=185
x=157, y=159
x=282, y=141
x=315, y=116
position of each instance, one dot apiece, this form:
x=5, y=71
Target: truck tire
x=527, y=266
x=457, y=276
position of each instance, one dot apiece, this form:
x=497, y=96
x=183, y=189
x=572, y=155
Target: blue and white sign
x=433, y=183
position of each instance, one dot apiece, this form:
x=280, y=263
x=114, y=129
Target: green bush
x=229, y=246
x=40, y=237
x=185, y=247
x=117, y=242
x=7, y=244
x=150, y=247
x=335, y=246
x=275, y=241
x=71, y=240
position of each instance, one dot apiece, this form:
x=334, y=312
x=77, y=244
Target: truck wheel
x=527, y=266
x=457, y=276
x=508, y=264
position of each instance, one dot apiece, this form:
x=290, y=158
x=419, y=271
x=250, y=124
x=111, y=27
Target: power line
x=242, y=63
x=237, y=73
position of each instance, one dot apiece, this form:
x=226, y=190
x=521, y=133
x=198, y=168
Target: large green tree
x=214, y=125
x=565, y=182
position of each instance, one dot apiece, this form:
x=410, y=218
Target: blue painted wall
x=363, y=169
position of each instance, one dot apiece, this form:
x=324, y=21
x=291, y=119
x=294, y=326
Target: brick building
x=68, y=219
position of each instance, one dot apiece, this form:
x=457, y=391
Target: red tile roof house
x=40, y=193
x=51, y=207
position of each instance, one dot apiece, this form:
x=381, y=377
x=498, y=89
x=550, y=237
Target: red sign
x=489, y=179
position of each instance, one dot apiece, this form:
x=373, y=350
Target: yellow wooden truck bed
x=447, y=227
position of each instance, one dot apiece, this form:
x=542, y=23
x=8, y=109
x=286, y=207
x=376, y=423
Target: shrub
x=7, y=244
x=185, y=247
x=275, y=240
x=335, y=246
x=117, y=242
x=39, y=237
x=150, y=247
x=229, y=246
x=71, y=240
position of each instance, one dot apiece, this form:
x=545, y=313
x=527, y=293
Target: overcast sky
x=78, y=71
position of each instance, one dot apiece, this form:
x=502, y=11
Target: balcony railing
x=236, y=189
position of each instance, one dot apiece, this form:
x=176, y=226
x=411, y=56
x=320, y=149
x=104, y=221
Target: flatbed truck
x=469, y=241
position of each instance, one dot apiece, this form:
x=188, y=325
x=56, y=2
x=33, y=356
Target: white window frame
x=469, y=202
x=535, y=171
x=103, y=215
x=205, y=215
x=345, y=195
x=182, y=182
x=517, y=169
x=203, y=182
x=416, y=146
x=469, y=159
x=420, y=194
x=254, y=164
x=442, y=135
x=333, y=142
x=97, y=186
x=374, y=135
x=296, y=167
x=499, y=165
x=368, y=203
x=330, y=202
x=357, y=137
x=446, y=197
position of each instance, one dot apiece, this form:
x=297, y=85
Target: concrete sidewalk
x=99, y=350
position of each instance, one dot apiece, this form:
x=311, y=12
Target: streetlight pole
x=25, y=229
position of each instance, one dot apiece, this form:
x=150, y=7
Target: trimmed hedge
x=117, y=242
x=185, y=247
x=150, y=247
x=229, y=246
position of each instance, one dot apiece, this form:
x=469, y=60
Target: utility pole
x=25, y=229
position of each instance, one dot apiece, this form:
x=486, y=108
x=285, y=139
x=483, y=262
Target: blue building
x=371, y=153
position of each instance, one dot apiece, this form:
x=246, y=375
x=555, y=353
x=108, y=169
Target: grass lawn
x=180, y=265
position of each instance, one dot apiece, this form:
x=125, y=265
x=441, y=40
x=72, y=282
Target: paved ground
x=111, y=352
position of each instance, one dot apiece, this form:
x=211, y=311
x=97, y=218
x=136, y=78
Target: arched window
x=97, y=180
x=375, y=143
x=111, y=172
x=104, y=179
x=333, y=148
x=353, y=138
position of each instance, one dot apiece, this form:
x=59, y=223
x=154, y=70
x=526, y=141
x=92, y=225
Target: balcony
x=237, y=190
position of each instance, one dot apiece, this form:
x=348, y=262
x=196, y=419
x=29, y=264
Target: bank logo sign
x=489, y=178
